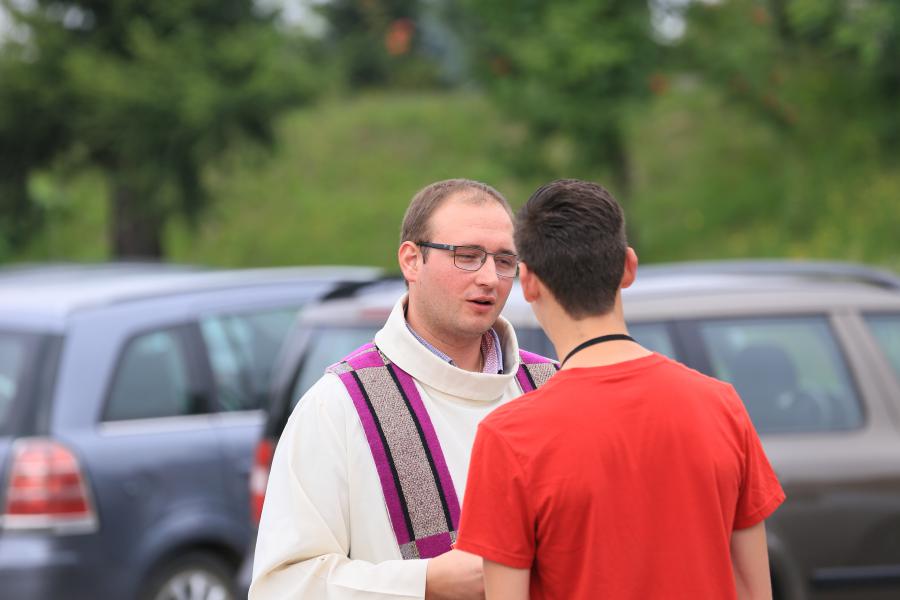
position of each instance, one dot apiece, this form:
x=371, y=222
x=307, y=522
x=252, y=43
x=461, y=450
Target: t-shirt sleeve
x=760, y=492
x=497, y=518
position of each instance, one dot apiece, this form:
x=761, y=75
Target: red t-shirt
x=620, y=481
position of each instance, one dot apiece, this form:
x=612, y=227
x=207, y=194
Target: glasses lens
x=469, y=259
x=506, y=265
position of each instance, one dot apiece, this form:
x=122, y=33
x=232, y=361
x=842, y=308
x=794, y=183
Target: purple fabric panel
x=522, y=377
x=359, y=350
x=434, y=447
x=365, y=347
x=530, y=358
x=366, y=360
x=391, y=495
x=434, y=545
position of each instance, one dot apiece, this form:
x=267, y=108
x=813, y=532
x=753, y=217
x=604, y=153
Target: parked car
x=131, y=399
x=812, y=348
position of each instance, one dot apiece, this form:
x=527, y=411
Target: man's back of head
x=571, y=234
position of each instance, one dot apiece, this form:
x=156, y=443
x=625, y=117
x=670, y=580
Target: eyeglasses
x=472, y=258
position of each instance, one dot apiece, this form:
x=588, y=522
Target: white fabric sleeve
x=303, y=543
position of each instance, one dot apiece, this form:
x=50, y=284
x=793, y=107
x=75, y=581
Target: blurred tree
x=568, y=69
x=788, y=127
x=380, y=42
x=149, y=91
x=809, y=66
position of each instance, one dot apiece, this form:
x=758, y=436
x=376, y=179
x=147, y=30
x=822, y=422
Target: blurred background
x=141, y=399
x=242, y=133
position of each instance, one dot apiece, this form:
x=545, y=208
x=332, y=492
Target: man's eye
x=506, y=261
x=468, y=256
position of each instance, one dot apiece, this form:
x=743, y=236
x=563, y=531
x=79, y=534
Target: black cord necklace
x=594, y=341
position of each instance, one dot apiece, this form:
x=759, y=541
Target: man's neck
x=567, y=333
x=464, y=352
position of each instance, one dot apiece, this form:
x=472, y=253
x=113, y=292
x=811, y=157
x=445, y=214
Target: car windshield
x=17, y=351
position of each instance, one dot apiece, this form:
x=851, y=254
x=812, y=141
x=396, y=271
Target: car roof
x=55, y=292
x=674, y=290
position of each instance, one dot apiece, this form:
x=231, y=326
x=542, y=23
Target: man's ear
x=631, y=265
x=531, y=285
x=408, y=257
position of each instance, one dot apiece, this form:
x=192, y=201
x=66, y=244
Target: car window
x=886, y=329
x=535, y=340
x=151, y=379
x=327, y=345
x=14, y=352
x=789, y=372
x=653, y=336
x=242, y=352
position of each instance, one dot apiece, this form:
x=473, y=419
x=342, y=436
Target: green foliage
x=713, y=181
x=147, y=92
x=378, y=43
x=808, y=66
x=568, y=69
x=342, y=176
x=75, y=221
x=710, y=181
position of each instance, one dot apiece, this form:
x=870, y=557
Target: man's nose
x=487, y=274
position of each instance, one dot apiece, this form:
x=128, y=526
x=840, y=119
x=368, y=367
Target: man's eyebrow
x=480, y=247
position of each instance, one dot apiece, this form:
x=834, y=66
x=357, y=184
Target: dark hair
x=571, y=234
x=416, y=221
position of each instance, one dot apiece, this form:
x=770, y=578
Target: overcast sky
x=666, y=15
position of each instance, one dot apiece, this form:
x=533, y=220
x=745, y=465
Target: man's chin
x=480, y=324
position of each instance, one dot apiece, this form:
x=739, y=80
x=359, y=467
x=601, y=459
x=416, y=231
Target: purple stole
x=415, y=480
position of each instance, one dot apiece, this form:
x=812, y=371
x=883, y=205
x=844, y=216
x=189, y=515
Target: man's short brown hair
x=417, y=220
x=571, y=234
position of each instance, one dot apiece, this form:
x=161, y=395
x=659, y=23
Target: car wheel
x=194, y=576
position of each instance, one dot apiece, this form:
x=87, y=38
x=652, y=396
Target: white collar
x=401, y=346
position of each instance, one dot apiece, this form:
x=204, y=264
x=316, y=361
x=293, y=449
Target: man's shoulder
x=692, y=379
x=691, y=388
x=518, y=414
x=327, y=396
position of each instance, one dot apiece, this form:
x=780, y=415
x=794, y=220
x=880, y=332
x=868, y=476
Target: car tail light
x=259, y=477
x=46, y=489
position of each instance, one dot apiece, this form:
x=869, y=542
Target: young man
x=628, y=476
x=362, y=501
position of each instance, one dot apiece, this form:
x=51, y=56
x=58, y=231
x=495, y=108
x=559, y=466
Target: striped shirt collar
x=491, y=350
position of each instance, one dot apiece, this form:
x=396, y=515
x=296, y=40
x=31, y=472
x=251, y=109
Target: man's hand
x=455, y=575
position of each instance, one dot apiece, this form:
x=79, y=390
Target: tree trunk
x=20, y=218
x=620, y=163
x=135, y=228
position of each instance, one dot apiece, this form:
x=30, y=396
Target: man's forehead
x=472, y=203
x=486, y=225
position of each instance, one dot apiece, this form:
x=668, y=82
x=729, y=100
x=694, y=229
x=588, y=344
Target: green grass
x=709, y=182
x=713, y=183
x=336, y=189
x=75, y=226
